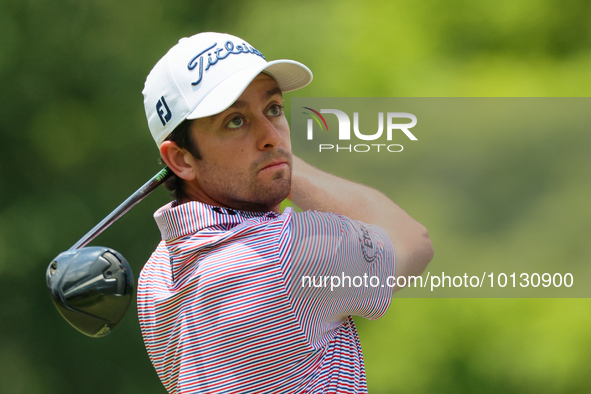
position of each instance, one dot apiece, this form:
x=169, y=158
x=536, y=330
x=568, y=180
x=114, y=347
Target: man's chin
x=263, y=198
x=276, y=194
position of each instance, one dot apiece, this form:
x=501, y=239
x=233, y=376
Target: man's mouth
x=275, y=165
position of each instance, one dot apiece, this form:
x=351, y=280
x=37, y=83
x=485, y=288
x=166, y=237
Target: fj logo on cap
x=214, y=56
x=164, y=116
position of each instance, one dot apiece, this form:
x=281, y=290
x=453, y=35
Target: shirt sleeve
x=339, y=267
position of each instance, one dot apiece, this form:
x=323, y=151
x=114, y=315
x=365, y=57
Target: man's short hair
x=181, y=135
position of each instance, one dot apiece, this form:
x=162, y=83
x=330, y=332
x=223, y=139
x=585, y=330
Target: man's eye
x=235, y=123
x=275, y=110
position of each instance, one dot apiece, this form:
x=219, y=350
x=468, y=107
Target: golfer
x=240, y=297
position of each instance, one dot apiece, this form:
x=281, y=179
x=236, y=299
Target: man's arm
x=316, y=190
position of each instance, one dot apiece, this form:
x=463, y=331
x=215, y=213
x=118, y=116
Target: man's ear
x=179, y=160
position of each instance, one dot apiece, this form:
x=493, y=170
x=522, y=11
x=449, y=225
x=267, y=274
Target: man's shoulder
x=313, y=221
x=159, y=256
x=156, y=274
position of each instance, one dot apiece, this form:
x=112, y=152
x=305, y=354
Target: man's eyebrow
x=242, y=104
x=273, y=92
x=236, y=104
x=268, y=95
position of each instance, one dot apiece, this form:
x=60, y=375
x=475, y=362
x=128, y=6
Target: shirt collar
x=178, y=220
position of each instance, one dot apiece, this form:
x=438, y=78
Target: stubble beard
x=246, y=191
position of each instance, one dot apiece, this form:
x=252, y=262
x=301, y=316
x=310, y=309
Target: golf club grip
x=125, y=206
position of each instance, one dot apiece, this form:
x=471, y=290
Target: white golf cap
x=204, y=74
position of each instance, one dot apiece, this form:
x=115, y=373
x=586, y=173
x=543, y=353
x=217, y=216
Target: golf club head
x=91, y=287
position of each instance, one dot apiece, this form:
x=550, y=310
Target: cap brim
x=289, y=75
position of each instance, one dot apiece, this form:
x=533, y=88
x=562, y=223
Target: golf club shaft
x=125, y=206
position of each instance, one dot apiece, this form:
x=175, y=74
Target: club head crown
x=91, y=287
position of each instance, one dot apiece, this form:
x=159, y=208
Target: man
x=221, y=302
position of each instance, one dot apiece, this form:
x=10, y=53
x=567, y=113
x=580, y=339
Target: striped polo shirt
x=242, y=302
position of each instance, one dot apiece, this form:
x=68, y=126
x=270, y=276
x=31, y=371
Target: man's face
x=245, y=151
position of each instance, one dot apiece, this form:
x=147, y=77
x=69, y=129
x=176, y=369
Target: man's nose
x=267, y=134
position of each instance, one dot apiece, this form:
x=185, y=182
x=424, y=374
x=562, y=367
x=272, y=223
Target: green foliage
x=75, y=144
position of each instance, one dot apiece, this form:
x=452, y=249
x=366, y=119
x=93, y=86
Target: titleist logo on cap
x=220, y=54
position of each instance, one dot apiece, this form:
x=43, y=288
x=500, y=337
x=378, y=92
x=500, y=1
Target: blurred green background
x=75, y=144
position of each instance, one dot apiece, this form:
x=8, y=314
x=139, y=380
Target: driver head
x=91, y=288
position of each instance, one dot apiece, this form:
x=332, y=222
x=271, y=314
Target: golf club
x=92, y=287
